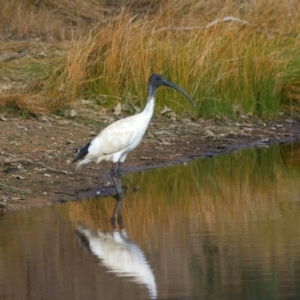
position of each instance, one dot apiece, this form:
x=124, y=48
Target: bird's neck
x=149, y=109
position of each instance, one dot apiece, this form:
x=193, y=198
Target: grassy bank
x=233, y=57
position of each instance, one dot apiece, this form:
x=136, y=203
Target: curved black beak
x=177, y=88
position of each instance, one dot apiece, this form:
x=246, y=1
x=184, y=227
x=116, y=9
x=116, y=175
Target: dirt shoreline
x=35, y=156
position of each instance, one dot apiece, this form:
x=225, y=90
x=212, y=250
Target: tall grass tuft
x=229, y=69
x=246, y=64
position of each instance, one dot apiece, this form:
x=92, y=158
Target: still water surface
x=222, y=228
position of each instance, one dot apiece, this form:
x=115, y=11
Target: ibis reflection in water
x=121, y=137
x=119, y=254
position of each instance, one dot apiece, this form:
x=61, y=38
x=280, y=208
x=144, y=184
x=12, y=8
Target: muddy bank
x=35, y=156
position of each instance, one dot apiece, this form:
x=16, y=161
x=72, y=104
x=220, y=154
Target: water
x=222, y=228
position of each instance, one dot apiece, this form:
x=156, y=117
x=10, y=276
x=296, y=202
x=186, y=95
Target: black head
x=156, y=80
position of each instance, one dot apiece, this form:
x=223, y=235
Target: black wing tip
x=81, y=152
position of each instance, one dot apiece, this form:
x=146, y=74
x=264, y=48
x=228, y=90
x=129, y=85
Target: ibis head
x=157, y=80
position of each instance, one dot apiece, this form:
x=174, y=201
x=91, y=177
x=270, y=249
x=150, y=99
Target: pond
x=221, y=228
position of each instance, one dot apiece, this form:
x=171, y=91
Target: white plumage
x=118, y=139
x=120, y=255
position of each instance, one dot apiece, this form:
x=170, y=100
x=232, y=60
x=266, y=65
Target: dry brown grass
x=112, y=47
x=46, y=20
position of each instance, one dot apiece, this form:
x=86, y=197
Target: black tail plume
x=81, y=152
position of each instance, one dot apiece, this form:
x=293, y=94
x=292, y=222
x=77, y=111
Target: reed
x=229, y=69
x=245, y=64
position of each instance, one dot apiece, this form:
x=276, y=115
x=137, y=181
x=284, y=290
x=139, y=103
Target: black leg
x=120, y=220
x=116, y=177
x=117, y=181
x=117, y=214
x=120, y=171
x=113, y=170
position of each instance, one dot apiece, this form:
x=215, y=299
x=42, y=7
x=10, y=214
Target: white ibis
x=119, y=138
